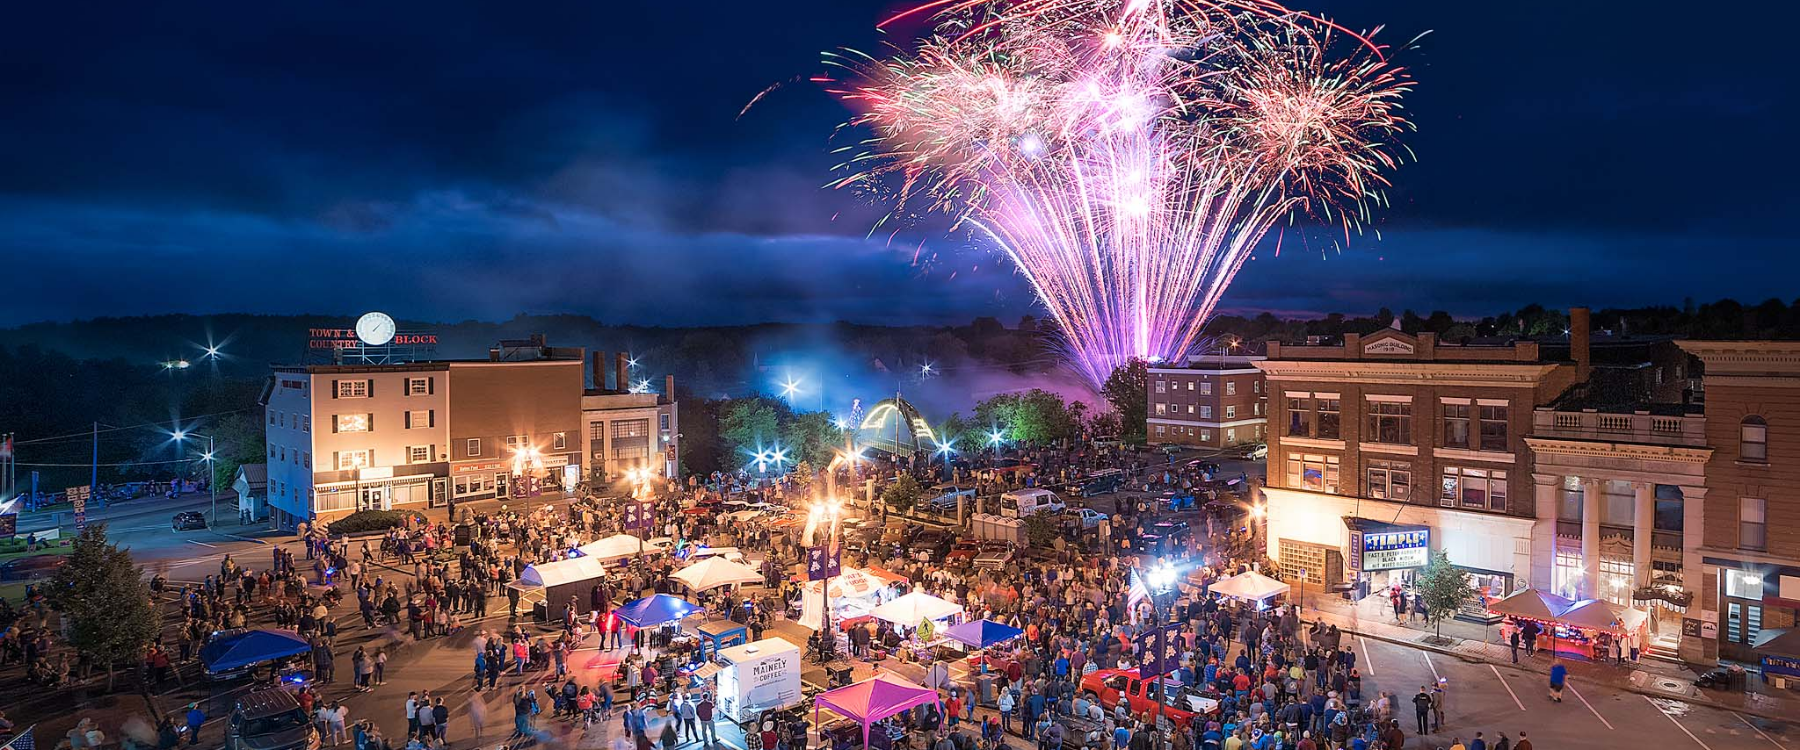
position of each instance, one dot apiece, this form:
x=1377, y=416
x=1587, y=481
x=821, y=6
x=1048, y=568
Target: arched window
x=1753, y=440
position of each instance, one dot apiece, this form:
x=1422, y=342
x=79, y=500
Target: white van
x=1022, y=503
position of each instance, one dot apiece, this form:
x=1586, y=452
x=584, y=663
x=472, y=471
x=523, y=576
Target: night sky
x=454, y=160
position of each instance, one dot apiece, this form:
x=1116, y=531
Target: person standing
x=1437, y=706
x=1513, y=641
x=427, y=720
x=412, y=714
x=1524, y=743
x=440, y=720
x=1559, y=676
x=704, y=713
x=195, y=718
x=1422, y=709
x=689, y=715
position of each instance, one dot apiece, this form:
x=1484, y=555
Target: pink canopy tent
x=873, y=699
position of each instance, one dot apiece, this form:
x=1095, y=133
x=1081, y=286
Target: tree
x=1041, y=530
x=1445, y=589
x=1035, y=416
x=1128, y=390
x=237, y=440
x=904, y=494
x=747, y=425
x=812, y=437
x=104, y=601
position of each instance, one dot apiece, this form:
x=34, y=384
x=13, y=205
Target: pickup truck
x=945, y=501
x=996, y=554
x=1090, y=518
x=1180, y=704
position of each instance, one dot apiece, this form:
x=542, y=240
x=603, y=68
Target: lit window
x=1753, y=529
x=474, y=447
x=352, y=423
x=1480, y=489
x=1231, y=387
x=1206, y=388
x=1231, y=411
x=559, y=441
x=1390, y=480
x=418, y=419
x=1162, y=387
x=418, y=454
x=353, y=389
x=348, y=460
x=1753, y=441
x=418, y=386
x=1162, y=409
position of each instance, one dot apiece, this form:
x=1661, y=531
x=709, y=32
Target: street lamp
x=827, y=512
x=212, y=482
x=1162, y=581
x=944, y=448
x=527, y=457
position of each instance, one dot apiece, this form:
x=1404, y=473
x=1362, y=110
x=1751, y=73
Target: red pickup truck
x=1180, y=704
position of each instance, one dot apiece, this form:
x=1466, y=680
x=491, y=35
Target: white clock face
x=375, y=329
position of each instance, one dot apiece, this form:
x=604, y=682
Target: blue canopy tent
x=654, y=610
x=235, y=652
x=983, y=633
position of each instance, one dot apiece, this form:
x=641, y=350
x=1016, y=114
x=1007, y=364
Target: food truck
x=759, y=676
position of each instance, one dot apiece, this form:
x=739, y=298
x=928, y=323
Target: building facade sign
x=1390, y=549
x=1388, y=346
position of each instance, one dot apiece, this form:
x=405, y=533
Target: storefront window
x=1567, y=575
x=1616, y=579
x=1313, y=472
x=1480, y=489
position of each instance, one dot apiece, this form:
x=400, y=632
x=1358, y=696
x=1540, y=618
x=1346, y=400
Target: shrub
x=372, y=520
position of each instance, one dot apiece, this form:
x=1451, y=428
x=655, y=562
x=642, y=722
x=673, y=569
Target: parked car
x=188, y=520
x=1090, y=518
x=1179, y=704
x=270, y=719
x=1099, y=482
x=995, y=554
x=963, y=552
x=946, y=495
x=931, y=545
x=1022, y=503
x=35, y=566
x=1178, y=499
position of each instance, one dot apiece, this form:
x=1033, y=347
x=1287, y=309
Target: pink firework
x=1127, y=155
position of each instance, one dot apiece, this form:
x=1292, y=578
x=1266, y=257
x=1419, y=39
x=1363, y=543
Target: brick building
x=1385, y=446
x=1749, y=527
x=1215, y=401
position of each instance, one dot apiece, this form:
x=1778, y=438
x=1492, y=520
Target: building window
x=418, y=419
x=1162, y=409
x=1231, y=387
x=418, y=454
x=1742, y=585
x=1206, y=412
x=1231, y=435
x=1753, y=440
x=1752, y=523
x=1205, y=434
x=1190, y=386
x=1390, y=422
x=354, y=422
x=274, y=417
x=1390, y=480
x=1160, y=430
x=1493, y=428
x=1206, y=388
x=352, y=389
x=1300, y=417
x=1456, y=425
x=306, y=459
x=1668, y=508
x=473, y=447
x=1481, y=489
x=559, y=441
x=596, y=433
x=306, y=424
x=1569, y=499
x=1231, y=411
x=418, y=386
x=1313, y=472
x=348, y=460
x=1328, y=418
x=1256, y=386
x=1162, y=387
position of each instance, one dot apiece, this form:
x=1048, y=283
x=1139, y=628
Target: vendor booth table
x=718, y=635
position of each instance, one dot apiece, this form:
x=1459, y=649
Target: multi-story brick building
x=1749, y=525
x=1216, y=401
x=1385, y=446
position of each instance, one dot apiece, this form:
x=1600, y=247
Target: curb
x=1531, y=668
x=242, y=538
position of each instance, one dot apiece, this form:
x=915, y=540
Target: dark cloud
x=475, y=160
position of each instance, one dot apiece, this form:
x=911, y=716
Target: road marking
x=1684, y=730
x=1584, y=702
x=203, y=544
x=1368, y=663
x=1759, y=730
x=1509, y=690
x=1434, y=674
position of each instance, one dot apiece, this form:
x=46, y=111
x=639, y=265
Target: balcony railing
x=1640, y=427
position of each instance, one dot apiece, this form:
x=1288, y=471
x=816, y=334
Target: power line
x=115, y=465
x=89, y=434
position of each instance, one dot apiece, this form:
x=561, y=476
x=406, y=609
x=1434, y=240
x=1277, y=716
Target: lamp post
x=827, y=513
x=212, y=482
x=1162, y=594
x=525, y=459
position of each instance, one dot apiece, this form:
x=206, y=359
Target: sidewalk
x=1476, y=643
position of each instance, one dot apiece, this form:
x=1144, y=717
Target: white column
x=1591, y=495
x=1643, y=522
x=1543, y=531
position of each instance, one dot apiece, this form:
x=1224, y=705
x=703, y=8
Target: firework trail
x=1127, y=155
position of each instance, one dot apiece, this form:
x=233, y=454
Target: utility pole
x=94, y=469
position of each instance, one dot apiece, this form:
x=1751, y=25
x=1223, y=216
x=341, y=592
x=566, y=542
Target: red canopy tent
x=873, y=699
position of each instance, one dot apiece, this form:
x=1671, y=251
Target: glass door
x=373, y=498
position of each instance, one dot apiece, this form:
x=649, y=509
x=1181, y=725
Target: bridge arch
x=896, y=426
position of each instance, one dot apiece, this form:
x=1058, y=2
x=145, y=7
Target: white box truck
x=758, y=677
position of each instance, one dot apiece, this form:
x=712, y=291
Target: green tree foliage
x=1128, y=390
x=1444, y=587
x=1042, y=530
x=104, y=600
x=748, y=424
x=1034, y=417
x=904, y=494
x=811, y=437
x=237, y=440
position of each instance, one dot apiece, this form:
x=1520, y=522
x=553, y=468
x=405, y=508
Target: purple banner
x=822, y=562
x=1157, y=654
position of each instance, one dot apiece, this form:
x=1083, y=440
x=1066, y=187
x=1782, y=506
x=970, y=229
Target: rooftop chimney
x=622, y=371
x=669, y=388
x=1579, y=333
x=597, y=370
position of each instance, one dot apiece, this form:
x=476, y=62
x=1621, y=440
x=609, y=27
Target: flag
x=1137, y=592
x=22, y=741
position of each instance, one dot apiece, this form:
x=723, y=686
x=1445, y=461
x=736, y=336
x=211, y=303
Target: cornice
x=1497, y=374
x=1603, y=449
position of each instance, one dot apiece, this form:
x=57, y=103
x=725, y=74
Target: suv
x=931, y=545
x=188, y=520
x=270, y=719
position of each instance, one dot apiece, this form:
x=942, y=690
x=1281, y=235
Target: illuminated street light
x=212, y=352
x=840, y=423
x=790, y=387
x=925, y=368
x=995, y=437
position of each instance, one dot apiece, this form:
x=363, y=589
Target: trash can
x=984, y=691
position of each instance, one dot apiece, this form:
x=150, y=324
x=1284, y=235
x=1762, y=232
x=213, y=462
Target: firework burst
x=1127, y=155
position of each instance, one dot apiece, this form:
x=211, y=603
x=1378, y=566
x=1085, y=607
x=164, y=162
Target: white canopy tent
x=613, y=547
x=714, y=572
x=1249, y=586
x=914, y=608
x=552, y=574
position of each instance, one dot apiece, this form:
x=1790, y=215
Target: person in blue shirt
x=195, y=718
x=1559, y=676
x=1121, y=738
